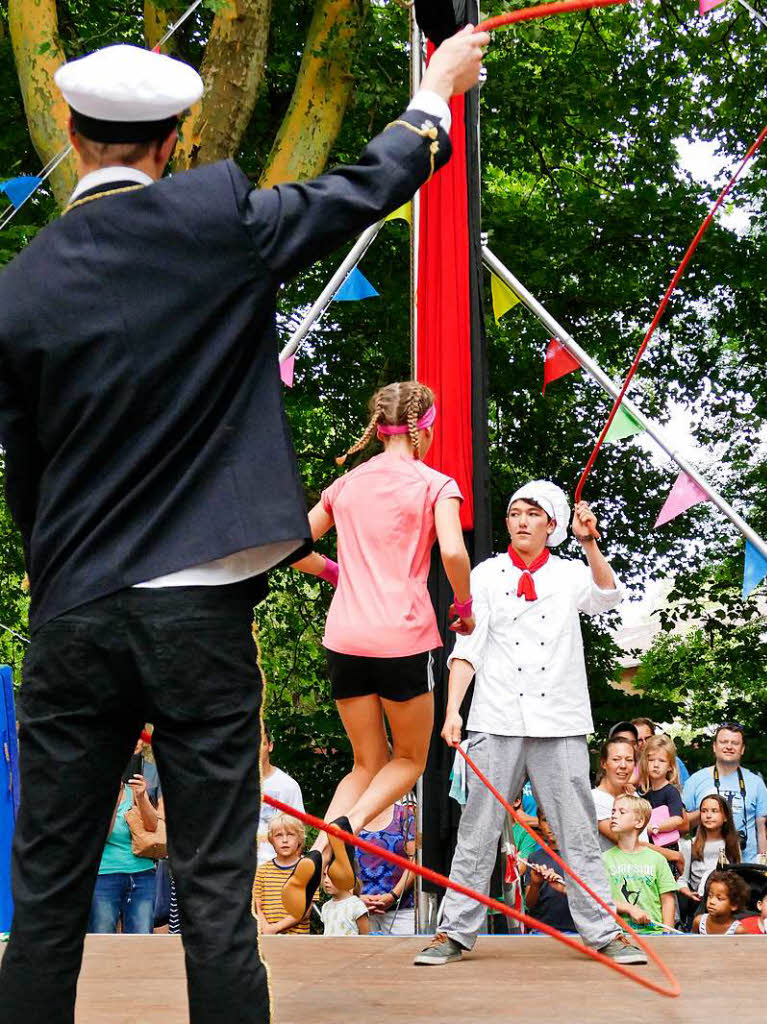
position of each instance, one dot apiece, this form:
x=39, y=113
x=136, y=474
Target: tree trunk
x=33, y=26
x=321, y=95
x=232, y=69
x=156, y=21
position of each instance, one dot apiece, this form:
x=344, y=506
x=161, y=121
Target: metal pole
x=321, y=304
x=416, y=43
x=656, y=433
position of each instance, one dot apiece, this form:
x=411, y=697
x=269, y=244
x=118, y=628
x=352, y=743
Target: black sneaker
x=341, y=869
x=303, y=882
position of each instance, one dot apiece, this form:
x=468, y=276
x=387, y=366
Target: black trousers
x=184, y=659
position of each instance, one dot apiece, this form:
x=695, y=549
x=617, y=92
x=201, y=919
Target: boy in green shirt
x=640, y=879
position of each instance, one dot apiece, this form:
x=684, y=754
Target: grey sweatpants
x=559, y=773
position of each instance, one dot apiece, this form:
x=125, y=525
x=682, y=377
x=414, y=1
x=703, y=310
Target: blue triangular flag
x=19, y=190
x=356, y=286
x=754, y=570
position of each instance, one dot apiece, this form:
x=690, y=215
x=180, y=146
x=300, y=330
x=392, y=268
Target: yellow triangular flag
x=402, y=213
x=504, y=298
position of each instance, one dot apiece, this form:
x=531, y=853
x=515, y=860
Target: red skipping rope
x=531, y=922
x=542, y=11
x=662, y=307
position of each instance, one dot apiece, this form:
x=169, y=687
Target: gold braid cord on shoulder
x=425, y=133
x=101, y=195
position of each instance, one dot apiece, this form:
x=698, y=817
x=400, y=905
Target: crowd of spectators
x=682, y=852
x=680, y=856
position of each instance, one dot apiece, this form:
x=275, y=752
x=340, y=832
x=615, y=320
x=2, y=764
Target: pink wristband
x=330, y=572
x=463, y=610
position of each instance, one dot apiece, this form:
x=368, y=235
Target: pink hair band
x=428, y=418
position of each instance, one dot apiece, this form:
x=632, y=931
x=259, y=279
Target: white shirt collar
x=106, y=174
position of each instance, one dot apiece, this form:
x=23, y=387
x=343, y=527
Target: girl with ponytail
x=381, y=627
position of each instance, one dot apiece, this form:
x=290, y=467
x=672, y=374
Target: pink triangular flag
x=709, y=5
x=683, y=495
x=286, y=371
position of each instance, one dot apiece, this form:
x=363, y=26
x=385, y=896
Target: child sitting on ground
x=659, y=785
x=756, y=925
x=641, y=882
x=545, y=896
x=727, y=895
x=288, y=837
x=715, y=842
x=344, y=913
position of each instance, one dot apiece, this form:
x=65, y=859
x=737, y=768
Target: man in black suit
x=150, y=471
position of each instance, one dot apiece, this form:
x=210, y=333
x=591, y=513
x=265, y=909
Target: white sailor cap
x=127, y=94
x=552, y=500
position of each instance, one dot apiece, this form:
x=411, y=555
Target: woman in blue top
x=386, y=889
x=125, y=887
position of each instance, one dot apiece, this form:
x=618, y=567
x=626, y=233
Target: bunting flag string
x=709, y=5
x=503, y=297
x=623, y=425
x=662, y=307
x=287, y=368
x=683, y=495
x=355, y=287
x=404, y=212
x=557, y=362
x=753, y=12
x=20, y=189
x=754, y=569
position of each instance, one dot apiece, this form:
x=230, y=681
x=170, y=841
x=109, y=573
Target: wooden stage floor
x=506, y=980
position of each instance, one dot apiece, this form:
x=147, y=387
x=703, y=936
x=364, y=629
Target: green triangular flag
x=624, y=425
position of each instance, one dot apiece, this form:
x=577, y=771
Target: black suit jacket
x=140, y=399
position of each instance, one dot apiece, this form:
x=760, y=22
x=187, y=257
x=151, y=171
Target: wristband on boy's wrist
x=463, y=608
x=330, y=572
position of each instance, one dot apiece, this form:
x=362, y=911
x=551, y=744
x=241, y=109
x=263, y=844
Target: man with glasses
x=745, y=791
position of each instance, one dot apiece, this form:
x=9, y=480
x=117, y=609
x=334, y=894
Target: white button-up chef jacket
x=528, y=655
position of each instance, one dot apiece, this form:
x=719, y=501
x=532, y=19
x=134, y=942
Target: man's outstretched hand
x=584, y=523
x=455, y=64
x=451, y=730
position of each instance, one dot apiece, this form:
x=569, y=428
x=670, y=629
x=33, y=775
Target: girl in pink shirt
x=381, y=627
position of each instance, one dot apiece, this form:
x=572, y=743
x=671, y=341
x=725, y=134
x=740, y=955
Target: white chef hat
x=127, y=94
x=552, y=500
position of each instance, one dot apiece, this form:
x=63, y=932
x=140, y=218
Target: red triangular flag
x=683, y=495
x=557, y=362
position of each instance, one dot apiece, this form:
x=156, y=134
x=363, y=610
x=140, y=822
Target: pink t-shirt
x=384, y=516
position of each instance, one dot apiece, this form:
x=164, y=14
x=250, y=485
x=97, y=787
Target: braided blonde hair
x=400, y=404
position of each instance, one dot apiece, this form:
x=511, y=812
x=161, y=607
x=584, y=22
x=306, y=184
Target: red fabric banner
x=444, y=325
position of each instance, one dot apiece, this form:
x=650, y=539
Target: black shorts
x=397, y=679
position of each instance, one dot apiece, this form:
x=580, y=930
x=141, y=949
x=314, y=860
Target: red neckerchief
x=526, y=585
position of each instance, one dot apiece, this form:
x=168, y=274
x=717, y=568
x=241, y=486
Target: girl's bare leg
x=411, y=724
x=362, y=719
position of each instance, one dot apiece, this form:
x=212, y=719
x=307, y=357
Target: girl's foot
x=302, y=884
x=341, y=867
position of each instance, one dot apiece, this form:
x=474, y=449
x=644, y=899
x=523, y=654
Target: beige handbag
x=152, y=845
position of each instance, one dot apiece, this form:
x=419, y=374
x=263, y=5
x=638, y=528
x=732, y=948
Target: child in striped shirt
x=288, y=837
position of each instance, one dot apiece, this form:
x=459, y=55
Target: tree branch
x=232, y=69
x=321, y=95
x=37, y=52
x=156, y=22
